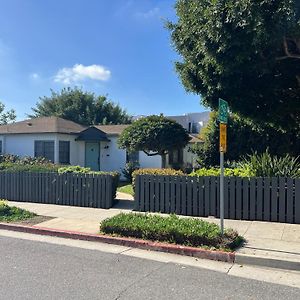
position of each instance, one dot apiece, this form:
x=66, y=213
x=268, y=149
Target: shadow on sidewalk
x=124, y=204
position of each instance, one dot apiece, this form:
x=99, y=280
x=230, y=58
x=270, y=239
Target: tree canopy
x=246, y=52
x=244, y=137
x=6, y=116
x=81, y=107
x=154, y=135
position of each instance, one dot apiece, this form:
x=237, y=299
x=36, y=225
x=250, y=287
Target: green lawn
x=125, y=187
x=12, y=213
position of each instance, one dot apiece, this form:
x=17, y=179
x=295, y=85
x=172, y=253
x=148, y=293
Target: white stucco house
x=65, y=142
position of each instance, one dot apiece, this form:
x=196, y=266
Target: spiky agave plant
x=266, y=165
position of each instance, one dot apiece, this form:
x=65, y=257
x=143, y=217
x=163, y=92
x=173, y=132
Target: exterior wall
x=111, y=157
x=23, y=145
x=189, y=158
x=150, y=161
x=196, y=121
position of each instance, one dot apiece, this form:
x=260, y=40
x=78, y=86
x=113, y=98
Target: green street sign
x=223, y=111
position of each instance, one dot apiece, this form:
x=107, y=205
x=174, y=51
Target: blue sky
x=114, y=47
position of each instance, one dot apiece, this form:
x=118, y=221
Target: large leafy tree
x=82, y=107
x=244, y=137
x=245, y=51
x=154, y=135
x=6, y=116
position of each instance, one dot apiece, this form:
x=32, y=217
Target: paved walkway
x=274, y=240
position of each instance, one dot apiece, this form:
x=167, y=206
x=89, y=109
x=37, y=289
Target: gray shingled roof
x=42, y=125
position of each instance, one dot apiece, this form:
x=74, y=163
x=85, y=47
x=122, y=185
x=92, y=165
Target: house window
x=132, y=157
x=1, y=147
x=44, y=149
x=176, y=156
x=64, y=152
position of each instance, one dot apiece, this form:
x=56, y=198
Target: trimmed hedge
x=171, y=229
x=82, y=170
x=13, y=163
x=235, y=172
x=13, y=213
x=153, y=171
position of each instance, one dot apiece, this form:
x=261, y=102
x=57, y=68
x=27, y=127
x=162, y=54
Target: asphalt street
x=37, y=270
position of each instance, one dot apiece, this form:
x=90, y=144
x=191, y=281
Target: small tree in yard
x=154, y=135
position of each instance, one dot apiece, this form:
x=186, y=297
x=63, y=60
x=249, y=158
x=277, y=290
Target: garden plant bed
x=13, y=213
x=188, y=232
x=37, y=219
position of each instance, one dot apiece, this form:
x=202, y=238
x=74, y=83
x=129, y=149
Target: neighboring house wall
x=23, y=144
x=192, y=122
x=112, y=158
x=188, y=158
x=149, y=161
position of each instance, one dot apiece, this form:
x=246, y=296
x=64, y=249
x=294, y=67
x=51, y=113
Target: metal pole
x=222, y=192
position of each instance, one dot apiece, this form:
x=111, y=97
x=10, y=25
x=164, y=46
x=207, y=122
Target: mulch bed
x=33, y=221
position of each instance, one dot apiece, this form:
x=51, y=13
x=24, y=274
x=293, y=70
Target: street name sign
x=223, y=111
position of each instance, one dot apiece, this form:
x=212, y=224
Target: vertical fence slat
x=162, y=201
x=274, y=199
x=267, y=200
x=183, y=196
x=290, y=200
x=140, y=193
x=212, y=210
x=239, y=199
x=167, y=194
x=157, y=194
x=206, y=195
x=201, y=212
x=178, y=196
x=226, y=197
x=282, y=199
x=189, y=196
x=195, y=196
x=252, y=200
x=297, y=201
x=259, y=199
x=245, y=204
x=232, y=200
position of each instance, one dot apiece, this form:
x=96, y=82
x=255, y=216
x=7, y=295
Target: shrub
x=155, y=172
x=74, y=169
x=16, y=167
x=130, y=167
x=171, y=229
x=12, y=213
x=234, y=172
x=82, y=170
x=26, y=160
x=266, y=165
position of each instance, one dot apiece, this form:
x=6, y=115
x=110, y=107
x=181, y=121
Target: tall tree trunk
x=163, y=160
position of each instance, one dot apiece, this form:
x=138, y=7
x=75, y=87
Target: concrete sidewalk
x=272, y=244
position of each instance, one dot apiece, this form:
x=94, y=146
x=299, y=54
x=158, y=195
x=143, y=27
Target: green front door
x=92, y=156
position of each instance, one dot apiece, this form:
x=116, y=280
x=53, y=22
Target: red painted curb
x=123, y=241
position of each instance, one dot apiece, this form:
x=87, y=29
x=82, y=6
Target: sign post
x=223, y=116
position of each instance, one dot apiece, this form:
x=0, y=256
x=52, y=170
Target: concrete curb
x=128, y=242
x=269, y=262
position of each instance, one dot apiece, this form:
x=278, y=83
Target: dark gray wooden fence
x=52, y=188
x=263, y=199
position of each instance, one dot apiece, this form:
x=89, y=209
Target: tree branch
x=286, y=49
